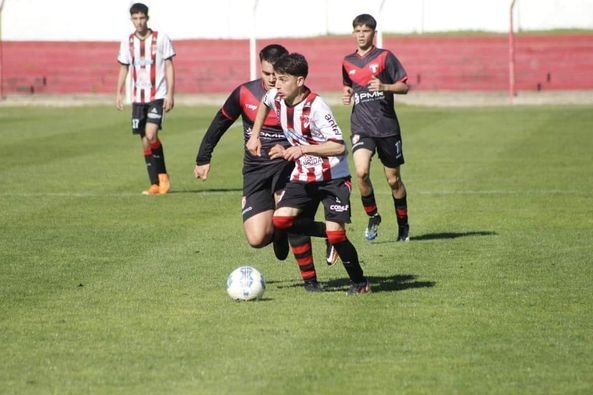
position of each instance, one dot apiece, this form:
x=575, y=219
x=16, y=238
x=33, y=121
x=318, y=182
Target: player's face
x=364, y=36
x=140, y=22
x=289, y=86
x=268, y=75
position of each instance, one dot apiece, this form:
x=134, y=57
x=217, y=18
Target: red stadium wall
x=543, y=62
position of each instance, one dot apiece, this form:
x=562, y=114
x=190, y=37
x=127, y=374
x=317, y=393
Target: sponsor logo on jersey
x=333, y=124
x=310, y=160
x=352, y=72
x=366, y=97
x=251, y=107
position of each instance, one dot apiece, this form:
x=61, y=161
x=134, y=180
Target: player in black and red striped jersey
x=371, y=77
x=263, y=178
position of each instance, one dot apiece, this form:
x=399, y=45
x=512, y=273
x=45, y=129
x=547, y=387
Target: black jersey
x=373, y=113
x=243, y=101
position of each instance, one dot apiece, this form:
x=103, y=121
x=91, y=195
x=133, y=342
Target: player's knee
x=258, y=240
x=336, y=236
x=395, y=182
x=283, y=222
x=362, y=174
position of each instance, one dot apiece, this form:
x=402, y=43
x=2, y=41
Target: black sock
x=159, y=157
x=150, y=168
x=349, y=258
x=401, y=210
x=369, y=204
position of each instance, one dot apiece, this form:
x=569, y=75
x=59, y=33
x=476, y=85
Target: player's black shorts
x=259, y=185
x=389, y=149
x=146, y=113
x=334, y=194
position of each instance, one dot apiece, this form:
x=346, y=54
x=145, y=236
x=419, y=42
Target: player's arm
x=329, y=148
x=170, y=79
x=254, y=144
x=219, y=125
x=399, y=87
x=347, y=87
x=121, y=84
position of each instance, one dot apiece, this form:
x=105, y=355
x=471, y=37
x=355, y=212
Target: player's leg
x=391, y=155
x=153, y=125
x=295, y=202
x=258, y=228
x=139, y=129
x=400, y=201
x=336, y=203
x=362, y=154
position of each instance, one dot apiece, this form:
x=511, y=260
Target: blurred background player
x=263, y=178
x=321, y=172
x=150, y=55
x=373, y=75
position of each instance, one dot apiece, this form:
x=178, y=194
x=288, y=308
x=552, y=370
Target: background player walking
x=371, y=76
x=150, y=55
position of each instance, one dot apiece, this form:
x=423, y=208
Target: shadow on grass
x=400, y=282
x=452, y=235
x=443, y=236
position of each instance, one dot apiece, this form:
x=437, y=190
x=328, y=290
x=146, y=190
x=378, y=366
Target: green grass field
x=106, y=291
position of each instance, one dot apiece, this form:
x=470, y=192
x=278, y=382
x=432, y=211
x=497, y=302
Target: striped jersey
x=146, y=58
x=373, y=113
x=310, y=122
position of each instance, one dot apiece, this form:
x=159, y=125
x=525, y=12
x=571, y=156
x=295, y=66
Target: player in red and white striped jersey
x=148, y=56
x=321, y=162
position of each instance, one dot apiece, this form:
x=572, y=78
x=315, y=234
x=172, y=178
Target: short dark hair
x=292, y=64
x=139, y=8
x=365, y=19
x=271, y=53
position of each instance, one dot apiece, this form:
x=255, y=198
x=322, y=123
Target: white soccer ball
x=245, y=283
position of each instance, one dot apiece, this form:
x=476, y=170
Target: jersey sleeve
x=396, y=69
x=223, y=120
x=123, y=56
x=269, y=97
x=232, y=107
x=346, y=81
x=324, y=121
x=167, y=47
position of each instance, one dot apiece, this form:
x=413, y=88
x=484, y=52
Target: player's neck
x=299, y=97
x=144, y=34
x=363, y=51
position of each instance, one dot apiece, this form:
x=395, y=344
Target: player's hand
x=347, y=97
x=254, y=146
x=375, y=85
x=276, y=151
x=293, y=153
x=201, y=171
x=119, y=103
x=168, y=104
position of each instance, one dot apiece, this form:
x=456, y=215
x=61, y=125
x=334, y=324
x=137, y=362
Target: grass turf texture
x=103, y=290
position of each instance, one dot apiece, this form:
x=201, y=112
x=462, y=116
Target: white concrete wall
x=108, y=20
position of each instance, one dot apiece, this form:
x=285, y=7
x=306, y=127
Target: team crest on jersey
x=374, y=67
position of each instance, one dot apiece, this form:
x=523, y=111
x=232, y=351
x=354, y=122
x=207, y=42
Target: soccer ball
x=245, y=283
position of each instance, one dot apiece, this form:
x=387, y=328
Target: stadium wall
x=433, y=63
